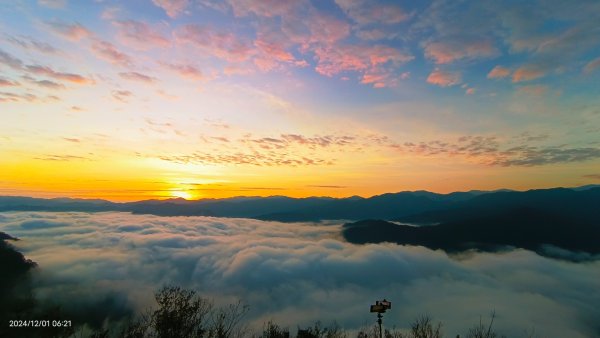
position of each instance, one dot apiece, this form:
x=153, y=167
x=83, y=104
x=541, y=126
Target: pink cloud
x=8, y=83
x=343, y=58
x=223, y=45
x=365, y=12
x=470, y=91
x=49, y=72
x=108, y=52
x=591, y=66
x=526, y=73
x=450, y=51
x=267, y=8
x=376, y=63
x=73, y=32
x=140, y=35
x=444, y=78
x=326, y=29
x=185, y=70
x=172, y=7
x=498, y=72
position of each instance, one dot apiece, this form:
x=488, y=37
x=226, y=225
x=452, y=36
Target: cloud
x=32, y=44
x=49, y=72
x=74, y=140
x=267, y=8
x=592, y=176
x=443, y=52
x=527, y=73
x=186, y=70
x=328, y=186
x=52, y=3
x=533, y=156
x=140, y=35
x=8, y=83
x=444, y=78
x=298, y=273
x=14, y=97
x=492, y=150
x=108, y=52
x=591, y=66
x=73, y=32
x=48, y=84
x=535, y=90
x=135, y=76
x=173, y=8
x=367, y=13
x=10, y=61
x=220, y=44
x=61, y=158
x=377, y=63
x=499, y=72
x=122, y=95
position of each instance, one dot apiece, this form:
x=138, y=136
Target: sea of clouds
x=297, y=273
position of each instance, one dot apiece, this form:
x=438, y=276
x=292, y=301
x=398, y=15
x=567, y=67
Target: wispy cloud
x=108, y=52
x=592, y=66
x=10, y=61
x=135, y=76
x=499, y=72
x=122, y=95
x=140, y=35
x=8, y=83
x=186, y=70
x=49, y=72
x=444, y=78
x=173, y=8
x=443, y=52
x=70, y=31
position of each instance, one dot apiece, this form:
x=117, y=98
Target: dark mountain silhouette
x=534, y=220
x=416, y=207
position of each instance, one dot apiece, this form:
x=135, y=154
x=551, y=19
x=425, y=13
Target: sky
x=298, y=273
x=129, y=100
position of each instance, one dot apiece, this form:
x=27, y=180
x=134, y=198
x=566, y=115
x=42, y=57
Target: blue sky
x=371, y=96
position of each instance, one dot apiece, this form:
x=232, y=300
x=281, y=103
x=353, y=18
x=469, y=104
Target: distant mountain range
x=420, y=207
x=545, y=220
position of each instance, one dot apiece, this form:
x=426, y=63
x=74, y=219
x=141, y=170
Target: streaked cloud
x=70, y=31
x=186, y=70
x=135, y=76
x=10, y=61
x=443, y=52
x=591, y=66
x=49, y=72
x=122, y=95
x=108, y=52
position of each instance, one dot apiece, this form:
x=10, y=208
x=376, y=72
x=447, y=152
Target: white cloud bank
x=299, y=273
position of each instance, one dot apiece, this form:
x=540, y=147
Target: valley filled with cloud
x=298, y=273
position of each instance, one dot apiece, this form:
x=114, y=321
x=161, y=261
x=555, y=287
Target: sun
x=182, y=194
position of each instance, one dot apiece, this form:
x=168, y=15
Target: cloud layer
x=298, y=273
